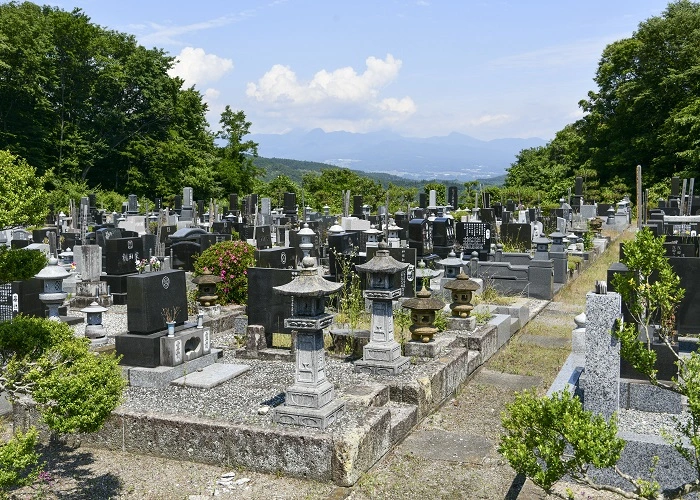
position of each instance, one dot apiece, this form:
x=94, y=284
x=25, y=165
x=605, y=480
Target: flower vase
x=171, y=328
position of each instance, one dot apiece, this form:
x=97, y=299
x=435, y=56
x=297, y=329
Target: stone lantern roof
x=423, y=301
x=382, y=262
x=462, y=283
x=52, y=271
x=207, y=278
x=451, y=260
x=309, y=283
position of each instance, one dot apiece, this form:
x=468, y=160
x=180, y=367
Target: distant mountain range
x=452, y=157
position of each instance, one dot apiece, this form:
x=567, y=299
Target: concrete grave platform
x=211, y=376
x=162, y=376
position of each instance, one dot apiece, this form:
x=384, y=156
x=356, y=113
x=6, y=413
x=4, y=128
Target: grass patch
x=547, y=329
x=528, y=359
x=574, y=292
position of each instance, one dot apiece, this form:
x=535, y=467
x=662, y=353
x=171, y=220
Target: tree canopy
x=644, y=112
x=81, y=103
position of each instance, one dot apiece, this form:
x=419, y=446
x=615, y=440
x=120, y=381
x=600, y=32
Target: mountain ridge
x=454, y=156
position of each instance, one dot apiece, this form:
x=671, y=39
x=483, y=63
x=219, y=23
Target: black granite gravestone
x=688, y=313
x=443, y=236
x=184, y=253
x=420, y=237
x=276, y=258
x=452, y=197
x=518, y=235
x=150, y=295
x=121, y=255
x=105, y=234
x=265, y=307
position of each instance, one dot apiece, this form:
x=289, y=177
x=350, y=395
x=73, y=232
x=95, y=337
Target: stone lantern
x=306, y=236
x=462, y=289
x=382, y=355
x=94, y=330
x=452, y=265
x=423, y=309
x=611, y=217
x=424, y=275
x=326, y=210
x=66, y=257
x=372, y=236
x=311, y=400
x=206, y=284
x=53, y=296
x=393, y=238
x=541, y=247
x=557, y=241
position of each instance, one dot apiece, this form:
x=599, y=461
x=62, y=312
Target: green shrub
x=19, y=264
x=19, y=461
x=230, y=260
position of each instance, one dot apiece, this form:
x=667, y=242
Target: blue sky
x=488, y=69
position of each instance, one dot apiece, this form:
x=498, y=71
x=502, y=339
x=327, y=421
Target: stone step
x=403, y=418
x=211, y=376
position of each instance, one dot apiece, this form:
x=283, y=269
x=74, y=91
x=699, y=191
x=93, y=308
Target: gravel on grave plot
x=238, y=400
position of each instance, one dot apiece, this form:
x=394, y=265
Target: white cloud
x=281, y=86
x=197, y=67
x=402, y=106
x=491, y=120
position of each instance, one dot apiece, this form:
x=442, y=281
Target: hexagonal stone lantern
x=53, y=295
x=382, y=355
x=94, y=330
x=306, y=237
x=311, y=400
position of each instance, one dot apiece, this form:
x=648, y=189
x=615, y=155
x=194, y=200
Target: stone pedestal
x=382, y=355
x=310, y=401
x=463, y=324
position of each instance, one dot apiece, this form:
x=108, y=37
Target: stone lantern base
x=319, y=418
x=382, y=359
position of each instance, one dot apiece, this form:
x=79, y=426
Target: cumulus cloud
x=281, y=86
x=198, y=68
x=402, y=106
x=491, y=120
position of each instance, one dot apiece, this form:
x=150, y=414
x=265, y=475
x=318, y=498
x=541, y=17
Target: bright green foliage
x=440, y=191
x=645, y=109
x=22, y=195
x=93, y=105
x=20, y=264
x=547, y=438
x=19, y=461
x=230, y=260
x=327, y=188
x=400, y=198
x=689, y=386
x=236, y=171
x=276, y=188
x=652, y=293
x=75, y=390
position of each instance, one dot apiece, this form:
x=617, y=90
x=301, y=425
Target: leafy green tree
x=22, y=195
x=549, y=437
x=92, y=105
x=327, y=188
x=236, y=170
x=645, y=109
x=400, y=198
x=440, y=191
x=276, y=188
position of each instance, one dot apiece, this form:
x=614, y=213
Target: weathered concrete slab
x=435, y=444
x=514, y=382
x=211, y=376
